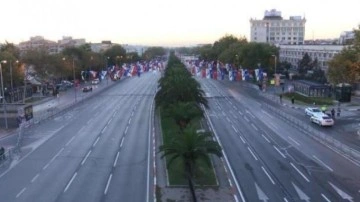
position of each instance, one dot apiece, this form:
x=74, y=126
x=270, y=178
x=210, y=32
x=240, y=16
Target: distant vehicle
x=95, y=81
x=61, y=87
x=282, y=79
x=310, y=111
x=87, y=89
x=67, y=84
x=322, y=119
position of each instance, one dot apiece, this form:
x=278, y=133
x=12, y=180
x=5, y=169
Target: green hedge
x=308, y=100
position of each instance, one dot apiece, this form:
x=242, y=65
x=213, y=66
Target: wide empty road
x=97, y=151
x=270, y=159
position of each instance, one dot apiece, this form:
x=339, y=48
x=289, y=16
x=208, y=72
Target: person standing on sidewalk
x=280, y=98
x=333, y=113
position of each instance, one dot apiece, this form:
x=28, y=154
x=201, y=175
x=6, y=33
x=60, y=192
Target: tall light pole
x=3, y=94
x=107, y=71
x=73, y=68
x=25, y=78
x=275, y=62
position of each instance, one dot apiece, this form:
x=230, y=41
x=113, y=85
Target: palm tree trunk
x=190, y=181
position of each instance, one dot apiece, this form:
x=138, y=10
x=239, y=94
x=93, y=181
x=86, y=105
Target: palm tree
x=184, y=112
x=178, y=85
x=190, y=148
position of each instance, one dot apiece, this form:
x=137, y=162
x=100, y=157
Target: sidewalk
x=50, y=105
x=347, y=109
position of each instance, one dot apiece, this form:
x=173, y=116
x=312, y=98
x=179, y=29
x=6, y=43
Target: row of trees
x=345, y=67
x=238, y=51
x=60, y=66
x=180, y=98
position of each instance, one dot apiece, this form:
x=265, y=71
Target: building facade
x=52, y=47
x=273, y=29
x=294, y=53
x=38, y=42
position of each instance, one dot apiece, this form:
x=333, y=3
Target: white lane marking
x=240, y=112
x=267, y=114
x=328, y=167
x=87, y=155
x=250, y=114
x=53, y=158
x=326, y=199
x=226, y=160
x=227, y=118
x=301, y=194
x=285, y=200
x=274, y=126
x=252, y=153
x=73, y=137
x=109, y=121
x=129, y=121
x=267, y=140
x=34, y=178
x=234, y=128
x=262, y=196
x=103, y=129
x=246, y=119
x=122, y=141
x=342, y=193
x=267, y=174
x=254, y=127
x=108, y=184
x=298, y=144
x=116, y=159
x=72, y=179
x=97, y=139
x=279, y=152
x=242, y=139
x=22, y=191
x=299, y=172
x=126, y=129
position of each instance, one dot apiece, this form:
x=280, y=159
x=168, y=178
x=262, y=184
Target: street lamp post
x=275, y=62
x=107, y=66
x=3, y=94
x=73, y=68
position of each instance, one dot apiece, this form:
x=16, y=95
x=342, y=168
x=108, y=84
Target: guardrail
x=42, y=116
x=321, y=137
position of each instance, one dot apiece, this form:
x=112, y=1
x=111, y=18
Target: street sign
x=28, y=112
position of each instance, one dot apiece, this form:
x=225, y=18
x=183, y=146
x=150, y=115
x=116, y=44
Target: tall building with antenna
x=273, y=29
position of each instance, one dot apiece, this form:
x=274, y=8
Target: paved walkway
x=50, y=105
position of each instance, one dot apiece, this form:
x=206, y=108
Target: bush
x=309, y=100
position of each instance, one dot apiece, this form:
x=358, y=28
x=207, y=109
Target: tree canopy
x=345, y=66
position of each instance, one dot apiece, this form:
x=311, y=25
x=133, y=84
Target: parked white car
x=310, y=111
x=322, y=119
x=95, y=81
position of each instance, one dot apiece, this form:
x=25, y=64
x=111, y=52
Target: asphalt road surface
x=269, y=159
x=97, y=151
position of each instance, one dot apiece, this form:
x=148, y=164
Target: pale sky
x=165, y=22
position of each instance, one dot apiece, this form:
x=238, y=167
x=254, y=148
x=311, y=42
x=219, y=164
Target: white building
x=346, y=37
x=68, y=41
x=274, y=29
x=294, y=53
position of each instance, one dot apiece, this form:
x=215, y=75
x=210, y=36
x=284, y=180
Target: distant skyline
x=164, y=22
